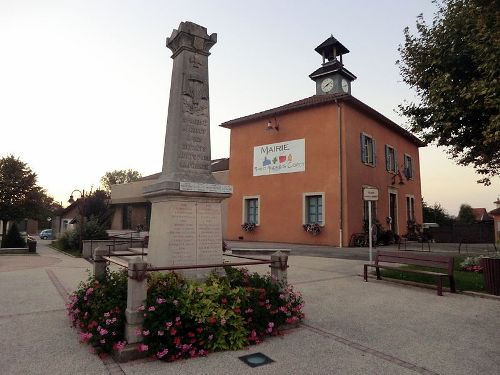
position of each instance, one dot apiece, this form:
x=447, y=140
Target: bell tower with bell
x=332, y=77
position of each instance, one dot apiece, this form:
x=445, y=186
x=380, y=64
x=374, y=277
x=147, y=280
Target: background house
x=131, y=209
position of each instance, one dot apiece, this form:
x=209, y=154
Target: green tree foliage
x=97, y=206
x=436, y=214
x=13, y=238
x=465, y=214
x=122, y=176
x=20, y=196
x=453, y=64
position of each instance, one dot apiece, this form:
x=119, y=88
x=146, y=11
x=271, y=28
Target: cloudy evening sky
x=84, y=84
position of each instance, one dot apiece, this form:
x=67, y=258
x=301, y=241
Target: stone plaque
x=205, y=188
x=208, y=233
x=181, y=233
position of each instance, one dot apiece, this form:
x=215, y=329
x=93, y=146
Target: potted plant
x=248, y=227
x=313, y=228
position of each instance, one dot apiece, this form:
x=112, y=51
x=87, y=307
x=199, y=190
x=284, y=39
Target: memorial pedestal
x=186, y=230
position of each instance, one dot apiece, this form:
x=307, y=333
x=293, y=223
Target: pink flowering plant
x=472, y=264
x=267, y=305
x=183, y=318
x=97, y=310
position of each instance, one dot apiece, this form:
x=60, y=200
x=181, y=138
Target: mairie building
x=307, y=162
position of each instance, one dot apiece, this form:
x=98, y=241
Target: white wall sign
x=276, y=158
x=370, y=194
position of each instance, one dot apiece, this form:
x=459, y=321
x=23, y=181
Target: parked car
x=46, y=234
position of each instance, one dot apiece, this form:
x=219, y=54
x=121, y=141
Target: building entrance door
x=393, y=211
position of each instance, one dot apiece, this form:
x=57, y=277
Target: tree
x=20, y=196
x=436, y=214
x=13, y=238
x=122, y=176
x=453, y=64
x=465, y=214
x=97, y=206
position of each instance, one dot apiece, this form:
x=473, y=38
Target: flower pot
x=491, y=272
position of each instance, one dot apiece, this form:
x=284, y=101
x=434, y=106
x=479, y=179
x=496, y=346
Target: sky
x=84, y=84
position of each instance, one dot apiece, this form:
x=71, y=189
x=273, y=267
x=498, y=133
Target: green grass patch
x=56, y=245
x=470, y=281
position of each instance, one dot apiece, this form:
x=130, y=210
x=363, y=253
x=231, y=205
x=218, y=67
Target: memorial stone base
x=186, y=230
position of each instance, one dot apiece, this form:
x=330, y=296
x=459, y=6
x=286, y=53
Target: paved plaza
x=351, y=327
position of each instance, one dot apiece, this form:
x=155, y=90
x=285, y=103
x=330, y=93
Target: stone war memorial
x=186, y=199
x=213, y=306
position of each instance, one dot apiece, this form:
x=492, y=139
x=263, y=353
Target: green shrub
x=13, y=238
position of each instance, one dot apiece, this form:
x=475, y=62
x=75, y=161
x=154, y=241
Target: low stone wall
x=90, y=245
x=14, y=250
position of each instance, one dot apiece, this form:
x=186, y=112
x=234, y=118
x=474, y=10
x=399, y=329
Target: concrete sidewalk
x=351, y=327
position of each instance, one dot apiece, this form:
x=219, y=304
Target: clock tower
x=332, y=77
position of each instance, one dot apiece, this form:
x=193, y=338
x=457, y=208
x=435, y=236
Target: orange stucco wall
x=359, y=174
x=281, y=195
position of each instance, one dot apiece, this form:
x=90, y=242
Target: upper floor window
x=408, y=167
x=368, y=150
x=391, y=163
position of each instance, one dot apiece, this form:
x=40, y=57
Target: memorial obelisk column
x=186, y=200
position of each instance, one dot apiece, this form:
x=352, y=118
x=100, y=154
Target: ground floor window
x=410, y=208
x=127, y=216
x=313, y=208
x=251, y=210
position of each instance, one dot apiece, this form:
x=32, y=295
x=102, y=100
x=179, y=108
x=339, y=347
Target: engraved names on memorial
x=194, y=232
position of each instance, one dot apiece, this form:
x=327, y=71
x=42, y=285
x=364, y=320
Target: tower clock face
x=345, y=85
x=327, y=85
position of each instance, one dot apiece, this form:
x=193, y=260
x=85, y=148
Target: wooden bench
x=418, y=259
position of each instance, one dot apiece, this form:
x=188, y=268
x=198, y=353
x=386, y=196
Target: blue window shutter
x=396, y=168
x=363, y=150
x=387, y=160
x=374, y=151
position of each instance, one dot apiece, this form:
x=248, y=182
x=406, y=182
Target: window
x=410, y=208
x=127, y=216
x=368, y=150
x=408, y=166
x=391, y=163
x=251, y=210
x=313, y=208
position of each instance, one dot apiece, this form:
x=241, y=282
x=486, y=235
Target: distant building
x=481, y=215
x=307, y=162
x=496, y=219
x=132, y=210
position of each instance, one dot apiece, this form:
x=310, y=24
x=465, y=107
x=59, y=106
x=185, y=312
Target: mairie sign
x=276, y=158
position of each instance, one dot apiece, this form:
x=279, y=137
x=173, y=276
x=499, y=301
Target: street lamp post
x=81, y=210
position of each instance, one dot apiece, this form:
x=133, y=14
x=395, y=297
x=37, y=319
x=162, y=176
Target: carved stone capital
x=192, y=37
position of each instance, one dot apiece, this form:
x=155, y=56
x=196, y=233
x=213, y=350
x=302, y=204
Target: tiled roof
x=495, y=212
x=319, y=100
x=332, y=67
x=216, y=165
x=331, y=41
x=480, y=214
